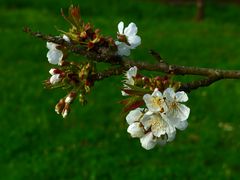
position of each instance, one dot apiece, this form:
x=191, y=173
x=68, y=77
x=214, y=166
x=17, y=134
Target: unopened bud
x=55, y=79
x=60, y=105
x=66, y=38
x=54, y=71
x=71, y=96
x=65, y=110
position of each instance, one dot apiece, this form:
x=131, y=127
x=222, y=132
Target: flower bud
x=66, y=38
x=71, y=96
x=54, y=71
x=55, y=79
x=60, y=105
x=65, y=110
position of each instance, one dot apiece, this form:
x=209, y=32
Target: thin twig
x=187, y=87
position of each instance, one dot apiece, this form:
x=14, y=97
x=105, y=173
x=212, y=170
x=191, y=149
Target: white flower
x=136, y=130
x=133, y=119
x=159, y=126
x=155, y=102
x=55, y=79
x=177, y=113
x=134, y=115
x=128, y=38
x=66, y=38
x=130, y=74
x=151, y=128
x=54, y=55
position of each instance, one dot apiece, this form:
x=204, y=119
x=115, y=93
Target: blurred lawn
x=92, y=143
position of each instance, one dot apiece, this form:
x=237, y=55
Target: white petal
x=51, y=71
x=131, y=30
x=171, y=136
x=163, y=141
x=181, y=96
x=184, y=112
x=182, y=125
x=159, y=126
x=136, y=130
x=129, y=81
x=66, y=38
x=120, y=27
x=147, y=141
x=55, y=78
x=124, y=94
x=150, y=103
x=68, y=99
x=64, y=113
x=134, y=115
x=54, y=56
x=134, y=41
x=132, y=72
x=157, y=93
x=146, y=121
x=123, y=49
x=180, y=112
x=51, y=45
x=169, y=94
x=118, y=43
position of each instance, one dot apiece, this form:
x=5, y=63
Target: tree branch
x=123, y=64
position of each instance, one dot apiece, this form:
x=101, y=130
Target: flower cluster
x=77, y=77
x=163, y=113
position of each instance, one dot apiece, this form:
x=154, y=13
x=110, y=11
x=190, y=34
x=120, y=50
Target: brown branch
x=187, y=87
x=212, y=75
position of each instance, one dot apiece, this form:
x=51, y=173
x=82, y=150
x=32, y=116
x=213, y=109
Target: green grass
x=36, y=143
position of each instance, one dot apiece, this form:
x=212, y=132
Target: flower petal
x=136, y=130
x=146, y=121
x=131, y=30
x=162, y=140
x=157, y=93
x=120, y=27
x=171, y=136
x=182, y=125
x=51, y=71
x=55, y=78
x=123, y=49
x=51, y=45
x=132, y=72
x=179, y=113
x=66, y=38
x=184, y=112
x=134, y=41
x=129, y=81
x=54, y=56
x=150, y=103
x=169, y=94
x=181, y=96
x=159, y=126
x=147, y=141
x=124, y=93
x=134, y=115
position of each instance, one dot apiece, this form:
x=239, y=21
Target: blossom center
x=159, y=101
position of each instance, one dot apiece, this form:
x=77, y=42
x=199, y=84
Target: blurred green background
x=92, y=143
